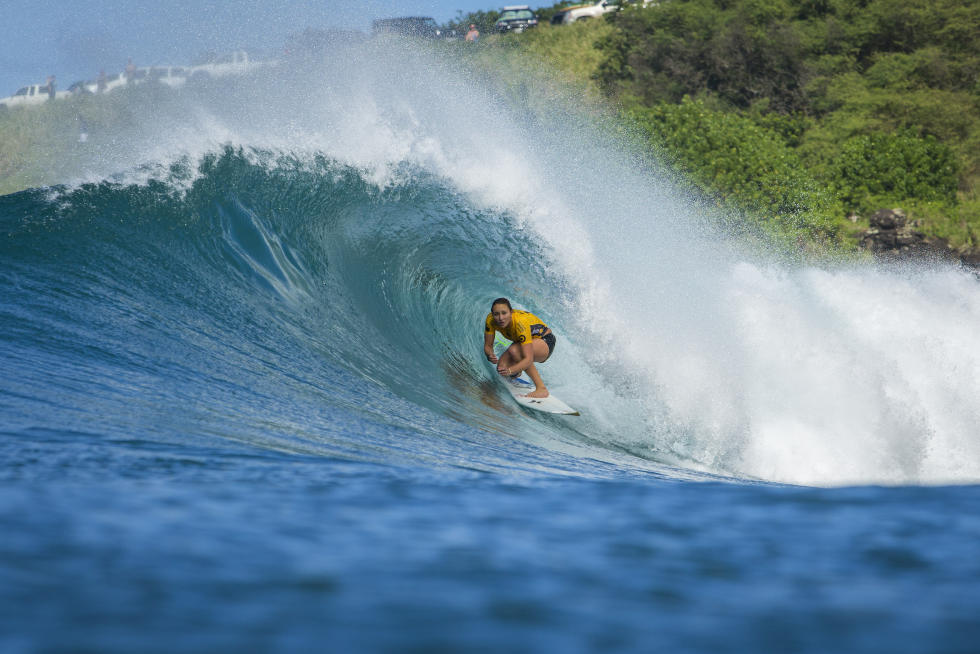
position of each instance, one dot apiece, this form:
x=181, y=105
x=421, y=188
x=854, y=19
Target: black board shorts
x=550, y=340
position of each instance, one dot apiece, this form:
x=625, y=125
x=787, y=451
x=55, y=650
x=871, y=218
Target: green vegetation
x=566, y=54
x=31, y=140
x=745, y=166
x=40, y=145
x=798, y=113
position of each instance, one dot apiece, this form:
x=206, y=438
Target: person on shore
x=50, y=87
x=101, y=84
x=531, y=342
x=473, y=35
x=130, y=71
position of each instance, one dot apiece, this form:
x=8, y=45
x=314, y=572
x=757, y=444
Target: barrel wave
x=257, y=268
x=301, y=306
x=244, y=403
x=273, y=305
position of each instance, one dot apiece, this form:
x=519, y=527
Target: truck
x=32, y=94
x=593, y=10
x=232, y=63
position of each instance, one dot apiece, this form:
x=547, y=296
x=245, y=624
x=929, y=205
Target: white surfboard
x=520, y=386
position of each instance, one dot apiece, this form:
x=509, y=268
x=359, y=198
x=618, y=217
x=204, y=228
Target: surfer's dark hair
x=501, y=300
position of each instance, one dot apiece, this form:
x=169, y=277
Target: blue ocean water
x=243, y=406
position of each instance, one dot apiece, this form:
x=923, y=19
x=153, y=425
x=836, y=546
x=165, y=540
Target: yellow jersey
x=523, y=327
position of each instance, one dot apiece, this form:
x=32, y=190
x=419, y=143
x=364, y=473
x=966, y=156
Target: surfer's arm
x=488, y=347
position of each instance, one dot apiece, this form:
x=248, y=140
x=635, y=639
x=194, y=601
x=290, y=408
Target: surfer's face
x=501, y=315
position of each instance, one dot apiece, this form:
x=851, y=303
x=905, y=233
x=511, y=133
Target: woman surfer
x=531, y=342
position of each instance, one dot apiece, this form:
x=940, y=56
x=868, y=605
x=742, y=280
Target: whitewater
x=244, y=402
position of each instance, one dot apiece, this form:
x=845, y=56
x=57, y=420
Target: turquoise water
x=243, y=406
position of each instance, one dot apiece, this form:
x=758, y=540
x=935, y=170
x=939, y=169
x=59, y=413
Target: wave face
x=306, y=268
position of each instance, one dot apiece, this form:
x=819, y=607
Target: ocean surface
x=244, y=406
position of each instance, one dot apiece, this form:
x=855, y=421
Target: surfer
x=531, y=342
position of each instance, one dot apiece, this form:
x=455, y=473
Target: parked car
x=417, y=26
x=82, y=88
x=515, y=18
x=138, y=75
x=592, y=10
x=30, y=95
x=233, y=63
x=111, y=82
x=172, y=76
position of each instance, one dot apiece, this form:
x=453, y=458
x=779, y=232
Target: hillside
x=807, y=117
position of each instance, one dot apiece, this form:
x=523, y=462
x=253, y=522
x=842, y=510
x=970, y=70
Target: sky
x=74, y=39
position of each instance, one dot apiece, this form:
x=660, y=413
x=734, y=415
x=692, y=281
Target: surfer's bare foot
x=538, y=393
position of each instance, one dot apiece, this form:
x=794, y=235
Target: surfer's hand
x=503, y=371
x=491, y=358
